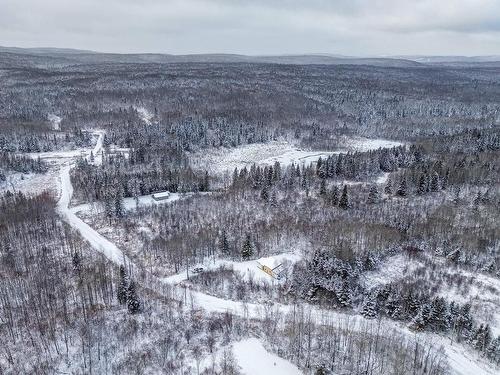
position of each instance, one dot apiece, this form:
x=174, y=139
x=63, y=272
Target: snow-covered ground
x=367, y=144
x=130, y=203
x=382, y=179
x=248, y=352
x=31, y=183
x=392, y=270
x=55, y=121
x=58, y=156
x=146, y=116
x=480, y=290
x=226, y=159
x=247, y=269
x=254, y=359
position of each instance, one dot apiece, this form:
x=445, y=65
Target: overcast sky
x=349, y=27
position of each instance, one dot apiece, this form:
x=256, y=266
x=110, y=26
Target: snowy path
x=98, y=242
x=461, y=360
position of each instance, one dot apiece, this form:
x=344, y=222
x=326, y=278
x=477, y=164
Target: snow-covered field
x=254, y=359
x=31, y=183
x=223, y=159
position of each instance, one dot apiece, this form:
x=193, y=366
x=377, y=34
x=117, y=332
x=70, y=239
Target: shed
x=161, y=196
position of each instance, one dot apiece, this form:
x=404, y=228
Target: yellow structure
x=270, y=271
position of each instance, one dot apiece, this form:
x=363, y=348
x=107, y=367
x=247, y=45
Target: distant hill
x=484, y=61
x=40, y=57
x=54, y=56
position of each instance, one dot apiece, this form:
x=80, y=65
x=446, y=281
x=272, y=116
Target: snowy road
x=461, y=360
x=98, y=242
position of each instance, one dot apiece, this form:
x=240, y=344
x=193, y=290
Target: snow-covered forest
x=322, y=219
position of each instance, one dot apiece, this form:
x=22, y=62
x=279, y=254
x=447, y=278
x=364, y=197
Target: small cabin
x=267, y=270
x=273, y=271
x=161, y=196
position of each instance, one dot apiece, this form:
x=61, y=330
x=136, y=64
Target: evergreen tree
x=303, y=182
x=388, y=188
x=119, y=208
x=445, y=179
x=402, y=189
x=373, y=195
x=133, y=302
x=344, y=199
x=478, y=199
x=334, y=196
x=204, y=185
x=109, y=208
x=264, y=194
x=393, y=306
x=369, y=307
x=480, y=337
x=344, y=295
x=122, y=286
x=464, y=323
x=224, y=244
x=435, y=183
x=235, y=179
x=493, y=350
x=322, y=187
x=274, y=200
x=276, y=171
x=438, y=319
x=76, y=260
x=421, y=321
x=247, y=249
x=422, y=184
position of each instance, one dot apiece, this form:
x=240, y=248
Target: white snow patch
x=145, y=115
x=55, y=121
x=31, y=183
x=392, y=270
x=382, y=179
x=227, y=159
x=368, y=144
x=254, y=359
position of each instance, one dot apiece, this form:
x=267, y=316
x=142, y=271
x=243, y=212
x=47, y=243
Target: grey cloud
x=355, y=27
